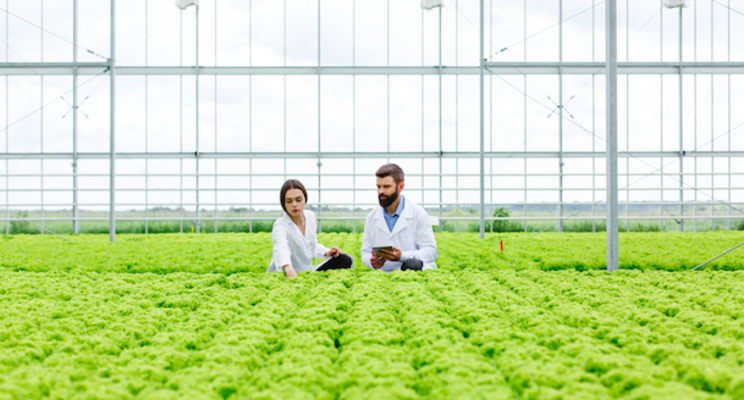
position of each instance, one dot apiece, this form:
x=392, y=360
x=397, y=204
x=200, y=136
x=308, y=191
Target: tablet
x=376, y=249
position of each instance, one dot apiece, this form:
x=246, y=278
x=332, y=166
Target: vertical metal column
x=661, y=117
x=423, y=124
x=353, y=111
x=387, y=77
x=681, y=131
x=112, y=138
x=524, y=117
x=320, y=162
x=41, y=121
x=560, y=117
x=611, y=74
x=482, y=121
x=216, y=164
x=147, y=119
x=729, y=115
x=490, y=119
x=7, y=134
x=441, y=224
x=694, y=97
x=180, y=119
x=694, y=113
x=75, y=223
x=250, y=114
x=197, y=228
x=594, y=131
x=627, y=120
x=712, y=123
x=457, y=120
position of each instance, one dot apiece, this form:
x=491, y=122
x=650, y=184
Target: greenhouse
x=508, y=199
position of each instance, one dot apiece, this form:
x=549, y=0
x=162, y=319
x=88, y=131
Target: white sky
x=250, y=115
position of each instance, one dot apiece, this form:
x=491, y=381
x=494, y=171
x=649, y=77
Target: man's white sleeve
x=367, y=243
x=425, y=242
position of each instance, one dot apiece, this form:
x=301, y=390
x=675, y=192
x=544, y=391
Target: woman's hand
x=334, y=252
x=291, y=273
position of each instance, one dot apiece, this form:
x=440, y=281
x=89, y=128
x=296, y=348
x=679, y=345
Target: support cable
x=558, y=106
x=454, y=3
x=37, y=142
x=130, y=160
x=51, y=102
x=38, y=226
x=61, y=96
x=7, y=176
x=724, y=5
x=543, y=31
x=127, y=58
x=83, y=102
x=719, y=256
x=642, y=178
x=148, y=37
x=576, y=123
x=54, y=34
x=627, y=43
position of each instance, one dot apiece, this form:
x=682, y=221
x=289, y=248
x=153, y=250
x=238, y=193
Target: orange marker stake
x=502, y=245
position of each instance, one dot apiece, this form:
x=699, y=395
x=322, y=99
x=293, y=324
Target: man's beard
x=389, y=200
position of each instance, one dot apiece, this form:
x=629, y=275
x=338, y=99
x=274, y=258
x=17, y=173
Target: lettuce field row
x=237, y=253
x=500, y=334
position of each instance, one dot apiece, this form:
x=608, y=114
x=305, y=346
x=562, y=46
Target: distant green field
x=194, y=316
x=237, y=252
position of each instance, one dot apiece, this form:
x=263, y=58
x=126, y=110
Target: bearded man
x=399, y=223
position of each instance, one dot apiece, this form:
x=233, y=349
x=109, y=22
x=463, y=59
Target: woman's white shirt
x=294, y=248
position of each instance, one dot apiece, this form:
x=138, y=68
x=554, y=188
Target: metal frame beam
x=453, y=218
x=112, y=134
x=380, y=155
x=496, y=68
x=613, y=248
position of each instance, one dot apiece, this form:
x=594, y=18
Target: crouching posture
x=399, y=223
x=294, y=238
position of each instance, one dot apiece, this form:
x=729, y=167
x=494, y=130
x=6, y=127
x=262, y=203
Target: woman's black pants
x=344, y=261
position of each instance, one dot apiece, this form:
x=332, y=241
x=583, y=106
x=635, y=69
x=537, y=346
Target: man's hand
x=391, y=255
x=291, y=273
x=333, y=252
x=376, y=262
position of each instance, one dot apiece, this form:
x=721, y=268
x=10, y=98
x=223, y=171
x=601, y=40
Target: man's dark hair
x=391, y=170
x=288, y=185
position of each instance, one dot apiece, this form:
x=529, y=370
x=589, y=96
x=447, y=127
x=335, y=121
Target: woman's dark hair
x=288, y=185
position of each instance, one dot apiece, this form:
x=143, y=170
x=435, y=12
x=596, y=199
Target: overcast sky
x=274, y=113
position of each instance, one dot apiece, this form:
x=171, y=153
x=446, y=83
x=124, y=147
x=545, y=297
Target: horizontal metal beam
x=623, y=68
x=362, y=218
x=374, y=204
x=498, y=68
x=96, y=68
x=371, y=189
x=363, y=174
x=385, y=155
x=52, y=68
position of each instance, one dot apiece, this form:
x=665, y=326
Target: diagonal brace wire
x=719, y=256
x=38, y=226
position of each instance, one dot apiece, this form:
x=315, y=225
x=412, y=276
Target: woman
x=295, y=242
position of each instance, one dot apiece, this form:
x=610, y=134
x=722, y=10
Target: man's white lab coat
x=412, y=234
